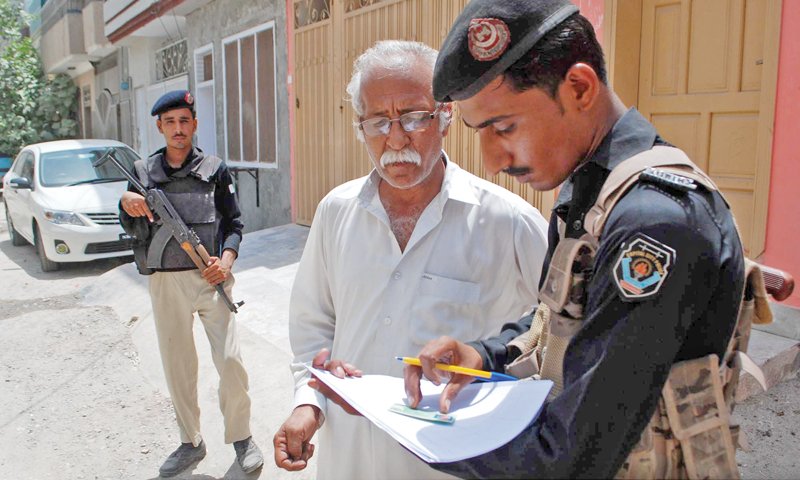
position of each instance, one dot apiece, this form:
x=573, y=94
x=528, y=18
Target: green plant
x=58, y=108
x=34, y=108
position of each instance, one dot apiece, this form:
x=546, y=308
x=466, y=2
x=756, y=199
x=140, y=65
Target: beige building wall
x=63, y=40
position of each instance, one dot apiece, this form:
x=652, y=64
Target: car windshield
x=73, y=167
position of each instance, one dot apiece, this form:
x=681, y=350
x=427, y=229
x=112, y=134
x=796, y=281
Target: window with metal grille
x=172, y=60
x=307, y=12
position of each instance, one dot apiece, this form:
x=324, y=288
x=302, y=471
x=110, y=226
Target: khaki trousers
x=176, y=296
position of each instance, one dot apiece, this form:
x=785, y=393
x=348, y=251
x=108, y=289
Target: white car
x=56, y=200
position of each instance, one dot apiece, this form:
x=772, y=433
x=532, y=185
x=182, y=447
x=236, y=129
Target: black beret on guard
x=172, y=100
x=487, y=38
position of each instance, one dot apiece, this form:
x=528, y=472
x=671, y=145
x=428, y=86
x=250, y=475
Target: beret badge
x=488, y=38
x=188, y=98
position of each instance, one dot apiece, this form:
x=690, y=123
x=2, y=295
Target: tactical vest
x=191, y=192
x=690, y=434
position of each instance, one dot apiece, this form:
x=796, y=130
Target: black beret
x=487, y=38
x=172, y=100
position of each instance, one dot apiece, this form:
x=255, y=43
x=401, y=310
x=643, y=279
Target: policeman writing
x=634, y=283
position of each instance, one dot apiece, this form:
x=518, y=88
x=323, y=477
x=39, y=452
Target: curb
x=776, y=368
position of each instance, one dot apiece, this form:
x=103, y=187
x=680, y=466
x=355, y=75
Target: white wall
x=206, y=121
x=140, y=60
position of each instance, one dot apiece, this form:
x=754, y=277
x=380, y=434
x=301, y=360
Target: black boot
x=179, y=460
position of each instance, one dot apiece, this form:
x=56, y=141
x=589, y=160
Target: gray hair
x=393, y=55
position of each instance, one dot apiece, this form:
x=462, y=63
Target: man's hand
x=219, y=269
x=135, y=205
x=339, y=368
x=441, y=350
x=292, y=442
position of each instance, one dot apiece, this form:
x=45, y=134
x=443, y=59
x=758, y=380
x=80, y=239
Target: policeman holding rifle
x=201, y=190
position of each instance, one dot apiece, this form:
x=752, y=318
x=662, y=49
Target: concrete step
x=775, y=348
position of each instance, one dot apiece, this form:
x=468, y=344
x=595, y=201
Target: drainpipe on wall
x=291, y=99
x=126, y=107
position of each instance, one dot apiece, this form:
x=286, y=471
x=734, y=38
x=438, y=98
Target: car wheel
x=16, y=239
x=47, y=264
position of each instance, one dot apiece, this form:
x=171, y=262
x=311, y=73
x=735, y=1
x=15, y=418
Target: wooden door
x=314, y=105
x=706, y=82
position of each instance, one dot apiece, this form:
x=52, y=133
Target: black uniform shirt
x=616, y=365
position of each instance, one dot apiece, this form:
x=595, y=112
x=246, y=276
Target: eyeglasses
x=411, y=122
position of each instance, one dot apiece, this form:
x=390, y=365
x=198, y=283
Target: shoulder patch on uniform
x=667, y=179
x=642, y=267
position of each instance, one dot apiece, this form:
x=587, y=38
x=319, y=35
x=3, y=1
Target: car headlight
x=63, y=218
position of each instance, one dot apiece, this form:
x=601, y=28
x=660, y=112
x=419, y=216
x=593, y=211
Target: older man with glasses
x=417, y=249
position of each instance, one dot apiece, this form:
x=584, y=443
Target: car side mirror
x=20, y=183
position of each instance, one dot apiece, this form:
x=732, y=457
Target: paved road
x=80, y=375
x=75, y=403
x=84, y=397
x=771, y=422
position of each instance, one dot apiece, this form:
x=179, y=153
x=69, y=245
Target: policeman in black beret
x=201, y=189
x=666, y=279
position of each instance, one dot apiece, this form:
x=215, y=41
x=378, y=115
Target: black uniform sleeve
x=493, y=350
x=616, y=365
x=230, y=226
x=126, y=221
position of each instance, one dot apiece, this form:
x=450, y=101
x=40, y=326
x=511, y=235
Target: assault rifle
x=172, y=226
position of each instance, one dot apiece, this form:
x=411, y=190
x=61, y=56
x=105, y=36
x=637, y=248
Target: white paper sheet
x=488, y=414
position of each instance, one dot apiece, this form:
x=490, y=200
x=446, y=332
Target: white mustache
x=406, y=155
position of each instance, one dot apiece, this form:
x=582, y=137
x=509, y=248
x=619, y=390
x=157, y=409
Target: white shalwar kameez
x=472, y=263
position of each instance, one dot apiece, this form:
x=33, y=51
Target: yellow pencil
x=491, y=376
